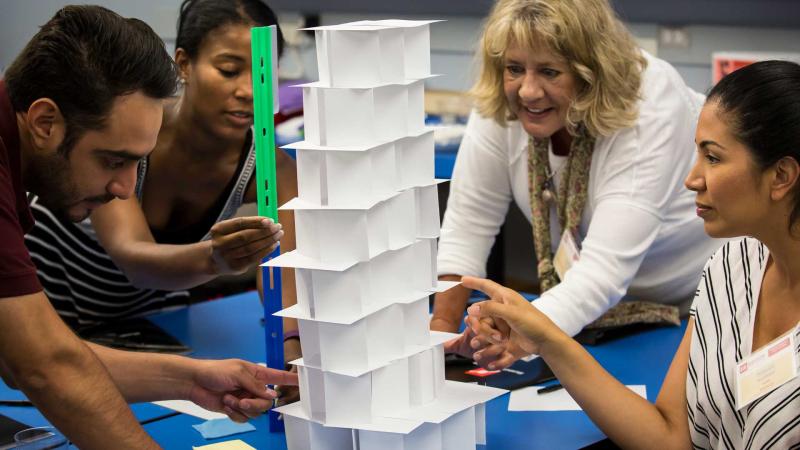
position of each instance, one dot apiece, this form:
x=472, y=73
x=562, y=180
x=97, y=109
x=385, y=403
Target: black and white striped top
x=80, y=279
x=724, y=310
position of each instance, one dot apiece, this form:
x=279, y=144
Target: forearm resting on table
x=449, y=306
x=63, y=378
x=628, y=419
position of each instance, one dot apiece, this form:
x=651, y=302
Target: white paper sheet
x=528, y=400
x=187, y=407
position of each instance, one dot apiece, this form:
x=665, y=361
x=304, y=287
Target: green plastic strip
x=264, y=100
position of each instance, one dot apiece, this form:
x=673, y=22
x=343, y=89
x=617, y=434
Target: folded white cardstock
x=377, y=423
x=419, y=371
x=373, y=115
x=372, y=341
x=368, y=53
x=395, y=276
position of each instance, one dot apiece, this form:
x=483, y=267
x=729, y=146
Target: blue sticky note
x=216, y=428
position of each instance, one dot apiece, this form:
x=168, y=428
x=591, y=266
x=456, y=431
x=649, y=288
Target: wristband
x=293, y=334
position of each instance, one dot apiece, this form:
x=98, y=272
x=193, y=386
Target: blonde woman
x=587, y=134
x=727, y=386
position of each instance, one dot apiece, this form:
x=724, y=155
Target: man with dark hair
x=79, y=107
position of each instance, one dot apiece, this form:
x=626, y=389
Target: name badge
x=766, y=369
x=567, y=254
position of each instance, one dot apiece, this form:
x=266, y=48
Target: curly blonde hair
x=601, y=53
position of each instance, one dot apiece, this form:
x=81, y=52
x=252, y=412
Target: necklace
x=548, y=190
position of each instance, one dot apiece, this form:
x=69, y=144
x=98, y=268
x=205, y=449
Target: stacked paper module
x=367, y=220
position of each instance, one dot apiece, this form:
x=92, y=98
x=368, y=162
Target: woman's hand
x=507, y=327
x=239, y=243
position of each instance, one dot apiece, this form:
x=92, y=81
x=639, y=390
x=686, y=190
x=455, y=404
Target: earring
x=182, y=81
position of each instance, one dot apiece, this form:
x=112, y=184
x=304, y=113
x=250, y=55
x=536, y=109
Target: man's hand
x=507, y=327
x=238, y=243
x=236, y=388
x=290, y=393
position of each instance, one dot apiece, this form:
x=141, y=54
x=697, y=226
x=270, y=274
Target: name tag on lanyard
x=770, y=367
x=566, y=255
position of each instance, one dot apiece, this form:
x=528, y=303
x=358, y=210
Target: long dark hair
x=200, y=17
x=761, y=104
x=83, y=59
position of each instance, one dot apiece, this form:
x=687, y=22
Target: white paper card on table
x=767, y=368
x=187, y=407
x=527, y=399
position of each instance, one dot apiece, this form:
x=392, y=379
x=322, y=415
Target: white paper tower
x=367, y=219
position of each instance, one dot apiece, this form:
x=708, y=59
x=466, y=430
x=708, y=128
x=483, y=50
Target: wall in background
x=453, y=41
x=747, y=25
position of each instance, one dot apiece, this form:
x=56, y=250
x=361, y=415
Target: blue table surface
x=231, y=328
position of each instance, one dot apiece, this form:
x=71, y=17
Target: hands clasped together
x=503, y=329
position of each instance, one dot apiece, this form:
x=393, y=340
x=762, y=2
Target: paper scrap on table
x=528, y=400
x=236, y=444
x=217, y=428
x=187, y=407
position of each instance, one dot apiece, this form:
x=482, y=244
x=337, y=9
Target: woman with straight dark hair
x=730, y=384
x=138, y=256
